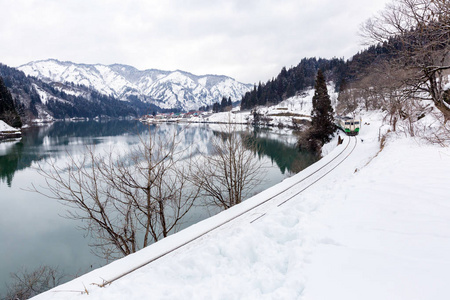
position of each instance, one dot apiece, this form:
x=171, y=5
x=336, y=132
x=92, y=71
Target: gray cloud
x=248, y=40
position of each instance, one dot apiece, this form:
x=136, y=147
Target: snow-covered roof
x=6, y=127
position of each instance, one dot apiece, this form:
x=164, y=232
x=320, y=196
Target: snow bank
x=377, y=227
x=385, y=233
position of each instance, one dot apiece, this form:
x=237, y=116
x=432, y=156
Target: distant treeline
x=291, y=81
x=91, y=103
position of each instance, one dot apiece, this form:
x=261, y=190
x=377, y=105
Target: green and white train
x=350, y=126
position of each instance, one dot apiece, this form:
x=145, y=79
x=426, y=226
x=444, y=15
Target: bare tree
x=227, y=176
x=383, y=88
x=348, y=100
x=441, y=136
x=417, y=32
x=126, y=201
x=26, y=284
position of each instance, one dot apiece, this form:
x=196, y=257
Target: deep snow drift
x=376, y=227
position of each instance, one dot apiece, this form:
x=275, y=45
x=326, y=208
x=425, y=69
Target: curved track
x=286, y=194
x=316, y=175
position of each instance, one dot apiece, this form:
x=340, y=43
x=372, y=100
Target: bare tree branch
x=126, y=201
x=417, y=33
x=26, y=284
x=232, y=170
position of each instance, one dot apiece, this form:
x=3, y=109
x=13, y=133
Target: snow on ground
x=385, y=233
x=376, y=227
x=229, y=117
x=6, y=127
x=43, y=95
x=294, y=109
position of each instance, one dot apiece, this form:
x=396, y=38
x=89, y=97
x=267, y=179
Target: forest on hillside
x=294, y=80
x=80, y=101
x=404, y=70
x=408, y=58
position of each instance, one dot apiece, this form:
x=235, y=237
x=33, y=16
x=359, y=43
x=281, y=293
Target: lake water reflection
x=32, y=229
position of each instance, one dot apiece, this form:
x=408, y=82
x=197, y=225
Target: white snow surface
x=376, y=226
x=43, y=95
x=6, y=127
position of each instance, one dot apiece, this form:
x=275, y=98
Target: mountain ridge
x=166, y=89
x=36, y=100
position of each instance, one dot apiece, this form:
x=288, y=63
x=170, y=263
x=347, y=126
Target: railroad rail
x=305, y=182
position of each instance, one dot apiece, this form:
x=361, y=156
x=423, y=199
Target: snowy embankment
x=377, y=226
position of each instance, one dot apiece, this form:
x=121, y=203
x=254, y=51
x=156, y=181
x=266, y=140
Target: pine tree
x=223, y=103
x=216, y=107
x=322, y=120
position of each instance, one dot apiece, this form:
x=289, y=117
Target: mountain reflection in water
x=32, y=231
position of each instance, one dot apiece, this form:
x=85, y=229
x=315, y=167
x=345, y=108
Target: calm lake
x=33, y=231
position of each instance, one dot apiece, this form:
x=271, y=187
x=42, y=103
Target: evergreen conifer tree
x=322, y=119
x=216, y=107
x=223, y=103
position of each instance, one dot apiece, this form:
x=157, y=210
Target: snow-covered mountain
x=166, y=89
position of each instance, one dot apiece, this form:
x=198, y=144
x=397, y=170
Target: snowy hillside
x=287, y=113
x=366, y=225
x=165, y=89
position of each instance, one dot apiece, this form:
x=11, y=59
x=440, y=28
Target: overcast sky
x=246, y=39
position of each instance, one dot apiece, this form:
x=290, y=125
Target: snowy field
x=376, y=227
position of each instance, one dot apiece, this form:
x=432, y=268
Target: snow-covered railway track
x=308, y=180
x=312, y=178
x=307, y=185
x=311, y=175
